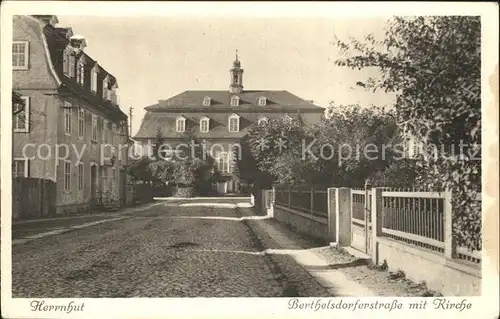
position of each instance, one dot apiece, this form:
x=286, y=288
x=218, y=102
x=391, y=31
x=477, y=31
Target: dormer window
x=235, y=100
x=69, y=62
x=206, y=101
x=262, y=120
x=113, y=93
x=180, y=124
x=93, y=79
x=80, y=70
x=262, y=101
x=105, y=88
x=204, y=124
x=234, y=123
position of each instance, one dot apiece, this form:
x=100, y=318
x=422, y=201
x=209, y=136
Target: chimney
x=77, y=42
x=47, y=19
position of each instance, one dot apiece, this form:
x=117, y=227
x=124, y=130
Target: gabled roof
x=276, y=100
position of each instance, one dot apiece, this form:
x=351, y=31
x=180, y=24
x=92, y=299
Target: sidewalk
x=26, y=230
x=341, y=274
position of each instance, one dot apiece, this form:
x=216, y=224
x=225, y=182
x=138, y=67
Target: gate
x=361, y=226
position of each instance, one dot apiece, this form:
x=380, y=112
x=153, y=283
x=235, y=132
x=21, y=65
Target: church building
x=221, y=118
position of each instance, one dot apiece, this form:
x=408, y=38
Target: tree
x=273, y=137
x=433, y=64
x=159, y=140
x=140, y=170
x=352, y=143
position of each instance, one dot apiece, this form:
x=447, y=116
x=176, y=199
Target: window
x=235, y=101
x=234, y=123
x=81, y=122
x=262, y=120
x=20, y=168
x=20, y=55
x=80, y=71
x=223, y=162
x=104, y=177
x=113, y=177
x=105, y=132
x=105, y=87
x=180, y=124
x=94, y=128
x=204, y=127
x=67, y=117
x=21, y=121
x=206, y=101
x=67, y=176
x=80, y=176
x=69, y=63
x=262, y=101
x=93, y=81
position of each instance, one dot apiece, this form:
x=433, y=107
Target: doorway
x=93, y=183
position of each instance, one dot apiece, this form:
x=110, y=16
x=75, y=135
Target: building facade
x=71, y=130
x=219, y=119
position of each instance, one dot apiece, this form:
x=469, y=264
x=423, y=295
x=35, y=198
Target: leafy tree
x=352, y=143
x=159, y=140
x=273, y=137
x=140, y=170
x=162, y=170
x=433, y=64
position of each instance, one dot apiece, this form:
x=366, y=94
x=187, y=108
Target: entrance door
x=222, y=187
x=93, y=180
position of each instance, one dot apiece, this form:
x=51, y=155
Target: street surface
x=191, y=248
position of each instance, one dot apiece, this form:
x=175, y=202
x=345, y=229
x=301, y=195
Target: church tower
x=236, y=71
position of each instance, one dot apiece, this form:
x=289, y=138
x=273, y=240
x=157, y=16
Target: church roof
x=218, y=125
x=276, y=100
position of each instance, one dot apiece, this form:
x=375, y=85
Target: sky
x=154, y=58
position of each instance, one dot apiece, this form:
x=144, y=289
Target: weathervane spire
x=236, y=54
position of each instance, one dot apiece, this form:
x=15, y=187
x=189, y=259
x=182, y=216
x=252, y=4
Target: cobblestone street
x=181, y=249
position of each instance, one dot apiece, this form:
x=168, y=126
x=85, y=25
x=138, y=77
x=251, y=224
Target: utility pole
x=130, y=121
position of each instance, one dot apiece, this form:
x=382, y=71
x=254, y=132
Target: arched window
x=204, y=124
x=180, y=124
x=69, y=62
x=234, y=123
x=235, y=100
x=93, y=79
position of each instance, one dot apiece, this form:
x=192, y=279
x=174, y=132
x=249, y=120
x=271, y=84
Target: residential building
x=221, y=118
x=71, y=111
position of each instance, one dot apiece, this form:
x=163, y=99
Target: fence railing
x=305, y=199
x=422, y=219
x=414, y=217
x=419, y=218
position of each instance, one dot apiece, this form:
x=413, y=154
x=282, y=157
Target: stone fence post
x=377, y=216
x=343, y=216
x=332, y=214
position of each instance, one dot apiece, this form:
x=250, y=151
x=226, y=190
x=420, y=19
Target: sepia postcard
x=249, y=159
